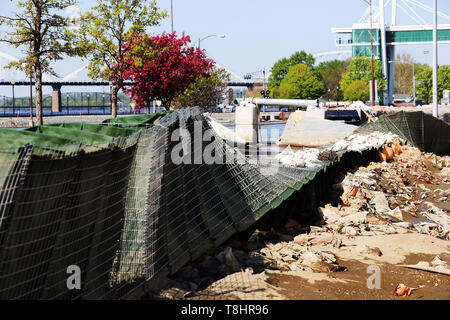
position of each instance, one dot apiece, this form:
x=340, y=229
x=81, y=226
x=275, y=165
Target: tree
x=424, y=80
x=281, y=67
x=206, y=91
x=300, y=83
x=360, y=69
x=403, y=81
x=358, y=90
x=254, y=93
x=44, y=34
x=105, y=30
x=331, y=74
x=162, y=67
x=443, y=80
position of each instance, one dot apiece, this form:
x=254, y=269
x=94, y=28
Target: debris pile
x=361, y=142
x=394, y=197
x=405, y=194
x=313, y=157
x=305, y=158
x=436, y=265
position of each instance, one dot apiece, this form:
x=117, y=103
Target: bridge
x=387, y=36
x=56, y=104
x=70, y=80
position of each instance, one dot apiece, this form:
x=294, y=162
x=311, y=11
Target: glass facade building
x=416, y=36
x=361, y=43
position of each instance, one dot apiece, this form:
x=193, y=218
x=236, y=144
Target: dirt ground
x=352, y=284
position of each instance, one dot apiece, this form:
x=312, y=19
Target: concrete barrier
x=246, y=120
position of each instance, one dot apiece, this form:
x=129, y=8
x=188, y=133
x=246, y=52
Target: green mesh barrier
x=110, y=199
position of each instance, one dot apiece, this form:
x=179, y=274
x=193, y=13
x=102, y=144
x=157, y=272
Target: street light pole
x=264, y=79
x=171, y=16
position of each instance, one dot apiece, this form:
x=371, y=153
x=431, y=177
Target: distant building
x=387, y=36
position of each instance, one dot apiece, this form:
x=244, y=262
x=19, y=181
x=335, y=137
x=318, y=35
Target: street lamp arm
x=213, y=35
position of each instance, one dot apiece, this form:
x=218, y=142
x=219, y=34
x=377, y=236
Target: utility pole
x=171, y=15
x=414, y=83
x=371, y=52
x=264, y=79
x=369, y=2
x=383, y=51
x=435, y=63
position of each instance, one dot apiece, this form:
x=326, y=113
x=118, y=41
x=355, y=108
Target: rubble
x=402, y=290
x=327, y=155
x=436, y=265
x=393, y=196
x=407, y=195
x=313, y=157
x=305, y=158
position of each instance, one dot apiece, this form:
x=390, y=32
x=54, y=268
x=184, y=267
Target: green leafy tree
x=358, y=90
x=43, y=33
x=281, y=67
x=300, y=83
x=424, y=82
x=105, y=29
x=443, y=80
x=254, y=93
x=206, y=91
x=331, y=74
x=403, y=81
x=360, y=69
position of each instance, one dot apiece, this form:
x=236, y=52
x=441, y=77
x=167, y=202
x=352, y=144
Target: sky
x=259, y=32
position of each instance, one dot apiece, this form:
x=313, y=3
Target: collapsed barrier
x=110, y=201
x=424, y=131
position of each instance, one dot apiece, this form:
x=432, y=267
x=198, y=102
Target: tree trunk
x=38, y=86
x=114, y=92
x=166, y=104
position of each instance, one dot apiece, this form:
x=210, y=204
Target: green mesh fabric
x=111, y=200
x=424, y=131
x=137, y=120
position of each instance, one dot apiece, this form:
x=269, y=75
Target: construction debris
x=436, y=265
x=389, y=197
x=313, y=157
x=327, y=155
x=408, y=194
x=402, y=290
x=305, y=158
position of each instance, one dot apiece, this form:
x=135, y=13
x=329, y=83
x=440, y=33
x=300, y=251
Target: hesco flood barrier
x=424, y=131
x=109, y=204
